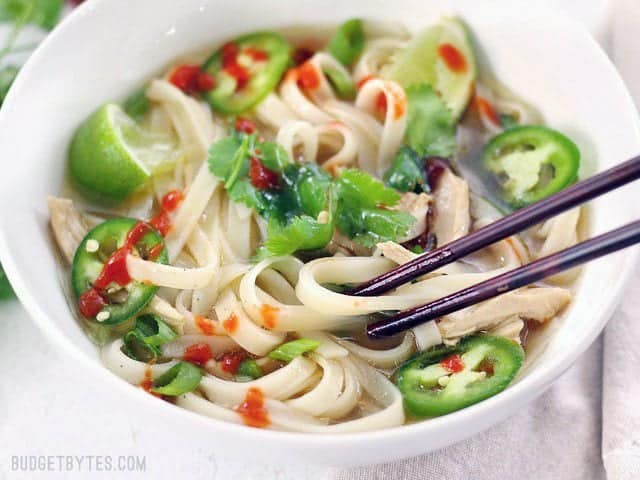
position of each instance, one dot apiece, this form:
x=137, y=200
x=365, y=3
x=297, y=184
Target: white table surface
x=50, y=407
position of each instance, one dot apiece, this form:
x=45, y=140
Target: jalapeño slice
x=445, y=379
x=245, y=70
x=98, y=274
x=531, y=163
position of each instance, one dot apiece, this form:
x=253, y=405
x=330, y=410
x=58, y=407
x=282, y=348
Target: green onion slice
x=135, y=347
x=347, y=43
x=290, y=350
x=154, y=331
x=181, y=378
x=341, y=83
x=249, y=369
x=143, y=342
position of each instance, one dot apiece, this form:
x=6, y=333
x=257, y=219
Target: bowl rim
x=496, y=407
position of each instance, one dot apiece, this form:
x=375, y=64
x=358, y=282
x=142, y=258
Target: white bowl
x=109, y=47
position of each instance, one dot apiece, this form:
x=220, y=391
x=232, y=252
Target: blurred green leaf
x=43, y=13
x=6, y=291
x=7, y=76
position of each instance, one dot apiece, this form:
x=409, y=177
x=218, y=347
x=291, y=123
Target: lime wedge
x=422, y=61
x=111, y=156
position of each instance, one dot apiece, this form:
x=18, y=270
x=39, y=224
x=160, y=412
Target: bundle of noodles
x=210, y=292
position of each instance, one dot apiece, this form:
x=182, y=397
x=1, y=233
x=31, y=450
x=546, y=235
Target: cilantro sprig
x=364, y=212
x=308, y=205
x=431, y=132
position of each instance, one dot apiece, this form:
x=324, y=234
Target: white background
x=49, y=406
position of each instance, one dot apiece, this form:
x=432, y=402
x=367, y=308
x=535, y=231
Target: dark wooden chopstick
x=565, y=259
x=505, y=227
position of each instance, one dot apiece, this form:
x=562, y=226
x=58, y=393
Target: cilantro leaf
x=407, y=172
x=431, y=128
x=272, y=155
x=358, y=188
x=243, y=192
x=370, y=226
x=229, y=159
x=301, y=233
x=359, y=214
x=43, y=13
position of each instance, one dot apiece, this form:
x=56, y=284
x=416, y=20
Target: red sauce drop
x=198, y=353
x=261, y=177
x=238, y=72
x=169, y=203
x=136, y=234
x=452, y=57
x=115, y=270
x=252, y=410
x=229, y=53
x=90, y=303
x=171, y=200
x=245, y=125
x=205, y=82
x=486, y=110
x=231, y=324
x=381, y=102
x=147, y=381
x=269, y=315
x=364, y=80
x=230, y=362
x=162, y=223
x=452, y=363
x=205, y=325
x=256, y=54
x=308, y=77
x=191, y=79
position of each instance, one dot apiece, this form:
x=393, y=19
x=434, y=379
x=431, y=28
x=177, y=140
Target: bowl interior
x=108, y=48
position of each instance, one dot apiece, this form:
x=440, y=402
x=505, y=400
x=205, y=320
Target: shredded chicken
x=68, y=224
x=509, y=328
x=395, y=252
x=343, y=244
x=539, y=304
x=451, y=208
x=418, y=206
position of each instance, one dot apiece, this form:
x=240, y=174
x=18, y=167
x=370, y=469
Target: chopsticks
x=505, y=227
x=519, y=220
x=565, y=259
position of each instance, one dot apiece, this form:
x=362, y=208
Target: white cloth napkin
x=590, y=415
x=587, y=426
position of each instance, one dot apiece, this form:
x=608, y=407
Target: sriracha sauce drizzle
x=452, y=57
x=191, y=79
x=198, y=353
x=230, y=65
x=452, y=363
x=161, y=222
x=252, y=410
x=230, y=361
x=261, y=177
x=115, y=270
